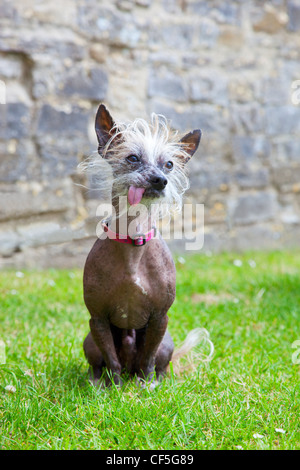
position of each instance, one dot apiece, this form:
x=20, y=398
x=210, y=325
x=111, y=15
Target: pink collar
x=140, y=239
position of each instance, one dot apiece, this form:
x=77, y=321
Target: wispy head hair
x=154, y=144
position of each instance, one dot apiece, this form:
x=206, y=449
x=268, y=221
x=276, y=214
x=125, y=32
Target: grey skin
x=128, y=291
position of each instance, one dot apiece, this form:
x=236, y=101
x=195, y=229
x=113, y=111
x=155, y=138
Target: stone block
x=272, y=20
x=30, y=199
x=166, y=84
x=293, y=9
x=250, y=149
x=174, y=36
x=111, y=26
x=247, y=178
x=89, y=83
x=209, y=86
x=277, y=91
x=286, y=178
x=68, y=121
x=263, y=236
x=17, y=160
x=37, y=42
x=45, y=233
x=212, y=179
x=286, y=151
x=253, y=207
x=15, y=120
x=59, y=156
x=247, y=118
x=282, y=120
x=245, y=88
x=207, y=32
x=9, y=242
x=11, y=67
x=208, y=118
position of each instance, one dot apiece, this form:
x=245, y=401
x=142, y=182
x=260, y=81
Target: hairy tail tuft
x=194, y=338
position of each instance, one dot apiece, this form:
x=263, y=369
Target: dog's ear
x=191, y=142
x=104, y=127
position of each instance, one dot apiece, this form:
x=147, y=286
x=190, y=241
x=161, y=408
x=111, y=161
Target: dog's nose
x=159, y=182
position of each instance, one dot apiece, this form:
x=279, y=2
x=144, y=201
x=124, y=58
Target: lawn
x=246, y=397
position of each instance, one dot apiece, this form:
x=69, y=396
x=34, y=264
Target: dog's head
x=147, y=159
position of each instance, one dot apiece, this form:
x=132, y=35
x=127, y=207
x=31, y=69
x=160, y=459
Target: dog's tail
x=196, y=337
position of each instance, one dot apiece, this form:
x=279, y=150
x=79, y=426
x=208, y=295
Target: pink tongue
x=135, y=195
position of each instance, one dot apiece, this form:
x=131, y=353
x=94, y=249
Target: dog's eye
x=168, y=165
x=132, y=159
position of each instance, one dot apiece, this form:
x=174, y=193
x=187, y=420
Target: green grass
x=250, y=388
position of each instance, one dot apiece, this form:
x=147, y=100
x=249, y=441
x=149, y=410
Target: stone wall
x=231, y=68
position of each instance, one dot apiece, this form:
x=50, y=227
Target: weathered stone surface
x=252, y=208
x=212, y=180
x=247, y=179
x=250, y=150
x=262, y=236
x=39, y=234
x=118, y=28
x=208, y=118
x=62, y=120
x=59, y=157
x=88, y=84
x=166, y=84
x=283, y=120
x=173, y=36
x=293, y=8
x=10, y=67
x=18, y=160
x=15, y=120
x=9, y=242
x=209, y=86
x=247, y=118
x=286, y=178
x=33, y=199
x=231, y=69
x=272, y=21
x=35, y=41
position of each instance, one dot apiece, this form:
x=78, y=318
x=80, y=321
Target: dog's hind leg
x=94, y=358
x=163, y=355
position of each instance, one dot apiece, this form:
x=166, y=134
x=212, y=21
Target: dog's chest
x=135, y=298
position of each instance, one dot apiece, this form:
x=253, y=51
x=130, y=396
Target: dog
x=129, y=280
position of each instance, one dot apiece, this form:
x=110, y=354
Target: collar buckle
x=138, y=237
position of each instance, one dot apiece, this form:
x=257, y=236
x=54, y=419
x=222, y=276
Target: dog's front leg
x=155, y=331
x=102, y=335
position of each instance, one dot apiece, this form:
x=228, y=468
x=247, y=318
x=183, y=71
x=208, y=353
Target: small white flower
x=13, y=292
x=238, y=263
x=10, y=388
x=28, y=372
x=280, y=430
x=19, y=274
x=51, y=282
x=252, y=263
x=258, y=436
x=181, y=260
x=239, y=447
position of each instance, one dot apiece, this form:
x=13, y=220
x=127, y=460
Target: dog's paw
x=142, y=383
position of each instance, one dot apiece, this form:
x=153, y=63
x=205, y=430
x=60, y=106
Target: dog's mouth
x=135, y=194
